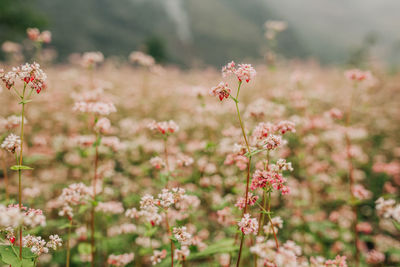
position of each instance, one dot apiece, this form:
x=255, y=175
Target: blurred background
x=200, y=32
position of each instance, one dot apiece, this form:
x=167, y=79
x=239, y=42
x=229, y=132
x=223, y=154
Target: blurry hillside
x=214, y=31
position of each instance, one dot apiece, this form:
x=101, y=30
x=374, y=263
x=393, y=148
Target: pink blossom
x=221, y=90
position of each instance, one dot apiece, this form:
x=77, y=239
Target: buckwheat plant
x=357, y=192
x=14, y=217
x=243, y=72
x=170, y=206
x=38, y=38
x=73, y=196
x=99, y=126
x=272, y=29
x=23, y=80
x=164, y=129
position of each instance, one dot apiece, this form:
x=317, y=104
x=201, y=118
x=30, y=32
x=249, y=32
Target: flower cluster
x=251, y=200
x=98, y=108
x=268, y=180
x=158, y=256
x=388, y=208
x=244, y=72
x=183, y=237
x=221, y=90
x=358, y=75
x=164, y=127
x=73, y=195
x=39, y=246
x=91, y=59
x=141, y=59
x=12, y=143
x=35, y=35
x=120, y=260
x=30, y=74
x=12, y=216
x=248, y=225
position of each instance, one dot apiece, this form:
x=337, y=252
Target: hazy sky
x=342, y=23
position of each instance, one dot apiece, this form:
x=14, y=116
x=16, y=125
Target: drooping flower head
x=221, y=90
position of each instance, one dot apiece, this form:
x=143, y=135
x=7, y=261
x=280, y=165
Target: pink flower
x=221, y=90
x=285, y=126
x=157, y=162
x=360, y=192
x=120, y=260
x=339, y=261
x=263, y=130
x=248, y=225
x=251, y=200
x=164, y=127
x=33, y=33
x=272, y=142
x=358, y=75
x=245, y=72
x=364, y=227
x=228, y=68
x=264, y=179
x=375, y=257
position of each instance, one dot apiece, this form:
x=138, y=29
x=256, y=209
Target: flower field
x=115, y=164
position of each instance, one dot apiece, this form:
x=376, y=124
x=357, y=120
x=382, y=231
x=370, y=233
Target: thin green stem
x=248, y=165
x=20, y=163
x=92, y=222
x=170, y=234
x=351, y=175
x=68, y=244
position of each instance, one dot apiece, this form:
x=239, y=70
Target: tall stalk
x=5, y=174
x=351, y=176
x=19, y=162
x=92, y=221
x=68, y=243
x=172, y=242
x=248, y=166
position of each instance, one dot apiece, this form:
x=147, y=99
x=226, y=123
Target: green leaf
x=397, y=225
x=222, y=246
x=8, y=256
x=84, y=248
x=20, y=167
x=255, y=152
x=25, y=101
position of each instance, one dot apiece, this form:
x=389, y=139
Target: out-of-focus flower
x=158, y=256
x=141, y=59
x=120, y=260
x=12, y=143
x=375, y=257
x=164, y=127
x=91, y=59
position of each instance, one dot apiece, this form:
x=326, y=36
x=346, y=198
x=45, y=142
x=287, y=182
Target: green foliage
x=16, y=16
x=222, y=246
x=10, y=255
x=156, y=47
